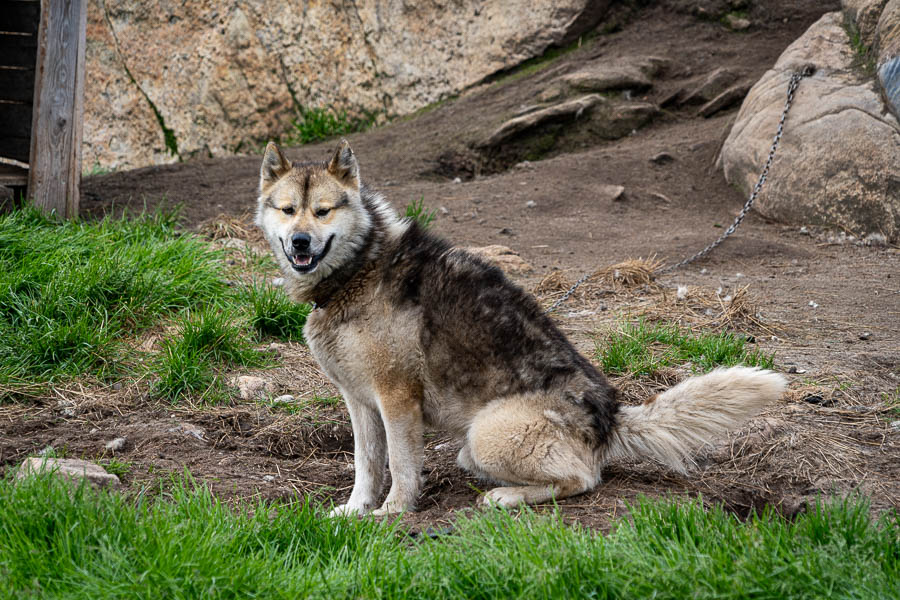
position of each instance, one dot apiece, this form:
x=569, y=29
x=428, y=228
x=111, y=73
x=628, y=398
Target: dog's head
x=311, y=213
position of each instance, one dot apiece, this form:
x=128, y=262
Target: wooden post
x=54, y=174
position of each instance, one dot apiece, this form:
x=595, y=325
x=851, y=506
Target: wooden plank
x=13, y=176
x=15, y=119
x=55, y=173
x=18, y=50
x=16, y=148
x=20, y=15
x=17, y=85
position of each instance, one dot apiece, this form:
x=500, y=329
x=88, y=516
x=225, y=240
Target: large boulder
x=839, y=159
x=170, y=79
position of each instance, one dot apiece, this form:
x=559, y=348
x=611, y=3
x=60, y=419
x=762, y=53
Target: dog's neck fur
x=339, y=281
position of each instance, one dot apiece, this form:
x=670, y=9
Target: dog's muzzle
x=304, y=261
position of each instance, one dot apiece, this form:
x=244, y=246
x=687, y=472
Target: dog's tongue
x=303, y=260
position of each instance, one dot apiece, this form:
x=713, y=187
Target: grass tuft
x=314, y=124
x=642, y=349
x=206, y=339
x=272, y=313
x=417, y=211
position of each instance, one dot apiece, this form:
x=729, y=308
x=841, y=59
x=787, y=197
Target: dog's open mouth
x=307, y=263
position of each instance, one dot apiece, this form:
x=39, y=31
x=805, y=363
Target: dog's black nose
x=300, y=241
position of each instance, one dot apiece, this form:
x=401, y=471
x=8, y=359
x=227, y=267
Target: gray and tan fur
x=418, y=334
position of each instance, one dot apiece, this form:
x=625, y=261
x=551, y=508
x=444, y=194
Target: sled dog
x=416, y=333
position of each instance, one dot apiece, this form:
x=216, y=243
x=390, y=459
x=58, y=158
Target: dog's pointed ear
x=343, y=165
x=274, y=166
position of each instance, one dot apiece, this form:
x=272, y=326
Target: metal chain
x=796, y=77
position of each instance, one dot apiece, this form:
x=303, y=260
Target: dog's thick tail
x=672, y=425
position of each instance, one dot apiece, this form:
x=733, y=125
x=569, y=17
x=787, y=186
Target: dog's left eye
x=322, y=212
x=288, y=210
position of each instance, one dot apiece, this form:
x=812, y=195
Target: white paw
x=506, y=497
x=345, y=510
x=391, y=508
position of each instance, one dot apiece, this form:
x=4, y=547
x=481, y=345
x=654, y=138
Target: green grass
x=419, y=213
x=184, y=543
x=117, y=467
x=96, y=169
x=74, y=294
x=641, y=349
x=68, y=291
x=865, y=56
x=314, y=124
x=208, y=338
x=274, y=314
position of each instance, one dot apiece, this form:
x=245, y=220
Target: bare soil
x=828, y=307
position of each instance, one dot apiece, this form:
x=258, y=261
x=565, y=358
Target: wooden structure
x=42, y=45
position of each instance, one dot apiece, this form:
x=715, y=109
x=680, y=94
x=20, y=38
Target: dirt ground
x=828, y=308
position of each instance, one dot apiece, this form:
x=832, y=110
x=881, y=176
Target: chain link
x=796, y=77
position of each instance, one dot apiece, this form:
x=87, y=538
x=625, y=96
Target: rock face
x=887, y=40
x=167, y=79
x=839, y=159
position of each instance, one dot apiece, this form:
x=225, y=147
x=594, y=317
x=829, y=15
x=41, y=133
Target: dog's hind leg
x=522, y=440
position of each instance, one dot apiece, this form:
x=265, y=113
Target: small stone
x=268, y=478
x=457, y=180
x=506, y=231
x=66, y=408
x=813, y=304
x=614, y=193
x=662, y=158
x=284, y=399
x=814, y=399
x=875, y=239
x=736, y=23
x=895, y=425
x=70, y=469
x=682, y=292
x=445, y=210
x=251, y=387
x=530, y=204
x=725, y=100
x=116, y=444
x=866, y=335
x=189, y=429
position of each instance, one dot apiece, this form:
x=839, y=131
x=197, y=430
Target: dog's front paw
x=391, y=508
x=507, y=497
x=345, y=510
